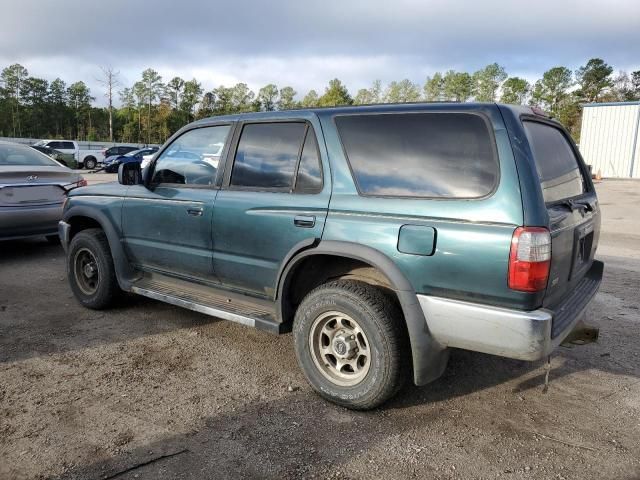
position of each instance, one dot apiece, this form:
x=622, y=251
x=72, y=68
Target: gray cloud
x=305, y=43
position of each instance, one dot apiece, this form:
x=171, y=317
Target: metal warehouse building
x=609, y=139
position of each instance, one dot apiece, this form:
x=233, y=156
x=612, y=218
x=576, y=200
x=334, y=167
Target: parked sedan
x=111, y=164
x=33, y=188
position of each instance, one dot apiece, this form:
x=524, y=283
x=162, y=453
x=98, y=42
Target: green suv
x=382, y=236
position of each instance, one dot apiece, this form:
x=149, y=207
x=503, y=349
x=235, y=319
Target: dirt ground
x=151, y=391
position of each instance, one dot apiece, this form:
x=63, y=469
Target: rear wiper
x=574, y=205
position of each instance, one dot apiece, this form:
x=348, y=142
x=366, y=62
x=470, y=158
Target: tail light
x=82, y=182
x=529, y=259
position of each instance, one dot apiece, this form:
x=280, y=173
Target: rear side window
x=67, y=145
x=446, y=155
x=557, y=165
x=267, y=155
x=309, y=179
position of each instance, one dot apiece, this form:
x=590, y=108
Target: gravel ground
x=151, y=391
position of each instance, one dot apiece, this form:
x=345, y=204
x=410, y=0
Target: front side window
x=267, y=155
x=437, y=154
x=193, y=158
x=558, y=170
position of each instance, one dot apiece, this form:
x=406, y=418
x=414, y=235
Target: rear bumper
x=524, y=335
x=21, y=222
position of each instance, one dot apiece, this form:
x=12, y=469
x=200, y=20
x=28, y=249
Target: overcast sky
x=305, y=43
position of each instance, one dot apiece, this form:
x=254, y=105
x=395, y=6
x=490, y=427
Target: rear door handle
x=195, y=212
x=304, y=221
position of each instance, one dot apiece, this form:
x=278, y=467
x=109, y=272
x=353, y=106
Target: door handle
x=195, y=212
x=304, y=221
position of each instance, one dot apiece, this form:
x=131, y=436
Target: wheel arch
x=81, y=217
x=428, y=357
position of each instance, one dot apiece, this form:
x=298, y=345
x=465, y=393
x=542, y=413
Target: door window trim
x=231, y=158
x=221, y=165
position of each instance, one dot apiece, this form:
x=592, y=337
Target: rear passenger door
x=274, y=201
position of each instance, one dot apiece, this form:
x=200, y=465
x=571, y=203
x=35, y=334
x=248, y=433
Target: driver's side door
x=166, y=224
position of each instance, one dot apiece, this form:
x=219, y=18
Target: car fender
x=124, y=272
x=429, y=358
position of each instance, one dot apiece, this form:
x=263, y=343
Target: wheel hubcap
x=86, y=271
x=339, y=348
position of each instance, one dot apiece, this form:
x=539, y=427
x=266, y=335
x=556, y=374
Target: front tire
x=351, y=344
x=90, y=163
x=90, y=270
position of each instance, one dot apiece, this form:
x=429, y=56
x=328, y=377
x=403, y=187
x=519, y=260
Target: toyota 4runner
x=382, y=236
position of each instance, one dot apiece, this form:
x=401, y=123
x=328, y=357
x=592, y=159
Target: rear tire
x=92, y=276
x=351, y=344
x=90, y=163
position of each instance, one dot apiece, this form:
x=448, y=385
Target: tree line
x=151, y=109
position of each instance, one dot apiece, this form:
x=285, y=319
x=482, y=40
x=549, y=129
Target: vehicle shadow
x=40, y=316
x=271, y=439
x=302, y=436
x=43, y=317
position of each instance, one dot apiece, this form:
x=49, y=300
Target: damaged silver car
x=33, y=188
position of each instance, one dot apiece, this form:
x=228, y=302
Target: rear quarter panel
x=473, y=237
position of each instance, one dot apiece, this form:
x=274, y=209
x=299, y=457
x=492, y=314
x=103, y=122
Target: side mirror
x=129, y=174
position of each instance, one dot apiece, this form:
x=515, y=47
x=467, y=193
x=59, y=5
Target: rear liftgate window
x=446, y=155
x=557, y=165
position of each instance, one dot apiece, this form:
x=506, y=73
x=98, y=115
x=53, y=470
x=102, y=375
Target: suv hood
x=111, y=189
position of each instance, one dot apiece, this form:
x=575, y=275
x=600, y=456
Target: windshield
x=11, y=154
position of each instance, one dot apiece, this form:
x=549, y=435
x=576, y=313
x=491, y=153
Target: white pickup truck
x=88, y=159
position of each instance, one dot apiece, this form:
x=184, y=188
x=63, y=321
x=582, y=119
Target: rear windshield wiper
x=574, y=205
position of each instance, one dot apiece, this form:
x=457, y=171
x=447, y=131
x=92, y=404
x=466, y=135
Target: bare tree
x=110, y=81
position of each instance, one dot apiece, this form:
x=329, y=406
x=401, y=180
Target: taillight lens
x=82, y=182
x=529, y=259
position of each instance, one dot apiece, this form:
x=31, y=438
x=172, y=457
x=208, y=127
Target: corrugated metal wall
x=609, y=137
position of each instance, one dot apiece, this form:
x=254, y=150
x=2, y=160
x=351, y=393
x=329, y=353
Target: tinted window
x=447, y=155
x=66, y=145
x=309, y=177
x=267, y=155
x=11, y=154
x=193, y=158
x=557, y=165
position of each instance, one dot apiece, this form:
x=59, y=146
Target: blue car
x=112, y=163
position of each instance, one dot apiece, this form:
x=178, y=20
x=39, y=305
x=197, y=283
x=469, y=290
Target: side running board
x=210, y=301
